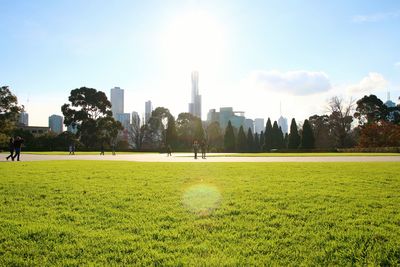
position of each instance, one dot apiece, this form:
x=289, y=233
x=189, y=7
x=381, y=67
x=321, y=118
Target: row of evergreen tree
x=270, y=139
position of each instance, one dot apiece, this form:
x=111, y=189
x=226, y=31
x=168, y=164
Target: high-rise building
x=147, y=111
x=259, y=125
x=195, y=105
x=117, y=101
x=248, y=123
x=56, y=124
x=23, y=119
x=282, y=122
x=124, y=119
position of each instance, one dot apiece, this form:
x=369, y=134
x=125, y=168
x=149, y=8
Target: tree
x=286, y=140
x=268, y=136
x=383, y=134
x=188, y=128
x=154, y=132
x=171, y=134
x=134, y=133
x=250, y=141
x=294, y=137
x=257, y=147
x=9, y=110
x=215, y=137
x=108, y=130
x=262, y=140
x=241, y=141
x=277, y=136
x=340, y=120
x=88, y=106
x=324, y=138
x=370, y=109
x=307, y=137
x=229, y=138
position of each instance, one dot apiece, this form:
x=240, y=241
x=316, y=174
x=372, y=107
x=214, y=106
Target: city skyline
x=251, y=55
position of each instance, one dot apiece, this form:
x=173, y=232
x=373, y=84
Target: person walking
x=203, y=148
x=11, y=148
x=195, y=148
x=102, y=149
x=17, y=146
x=169, y=151
x=113, y=148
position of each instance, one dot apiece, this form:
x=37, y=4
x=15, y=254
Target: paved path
x=188, y=157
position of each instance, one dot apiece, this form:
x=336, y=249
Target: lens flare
x=201, y=199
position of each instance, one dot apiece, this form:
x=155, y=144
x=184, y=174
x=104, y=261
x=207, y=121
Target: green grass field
x=80, y=152
x=126, y=213
x=305, y=154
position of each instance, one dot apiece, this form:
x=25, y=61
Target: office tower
x=248, y=123
x=124, y=119
x=117, y=101
x=195, y=105
x=259, y=125
x=148, y=109
x=23, y=119
x=56, y=124
x=282, y=122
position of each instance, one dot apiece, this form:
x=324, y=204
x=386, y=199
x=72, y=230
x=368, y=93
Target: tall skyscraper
x=23, y=119
x=117, y=101
x=56, y=124
x=147, y=111
x=124, y=119
x=259, y=125
x=282, y=122
x=195, y=105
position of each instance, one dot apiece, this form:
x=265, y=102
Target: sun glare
x=194, y=41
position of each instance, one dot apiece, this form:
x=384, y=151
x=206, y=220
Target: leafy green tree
x=370, y=109
x=250, y=141
x=154, y=132
x=294, y=137
x=324, y=138
x=9, y=110
x=229, y=138
x=241, y=141
x=215, y=136
x=277, y=136
x=108, y=130
x=307, y=138
x=171, y=133
x=268, y=136
x=87, y=106
x=188, y=128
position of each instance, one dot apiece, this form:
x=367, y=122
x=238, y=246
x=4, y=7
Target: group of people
x=15, y=148
x=202, y=146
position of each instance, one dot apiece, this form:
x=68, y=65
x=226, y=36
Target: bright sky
x=250, y=54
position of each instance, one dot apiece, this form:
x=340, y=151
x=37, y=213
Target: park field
x=126, y=213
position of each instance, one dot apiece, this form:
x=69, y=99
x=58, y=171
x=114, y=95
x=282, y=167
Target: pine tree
x=262, y=140
x=286, y=141
x=268, y=136
x=307, y=138
x=241, y=141
x=275, y=136
x=256, y=143
x=250, y=141
x=294, y=137
x=281, y=139
x=229, y=138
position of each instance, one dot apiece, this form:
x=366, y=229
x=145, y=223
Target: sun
x=194, y=41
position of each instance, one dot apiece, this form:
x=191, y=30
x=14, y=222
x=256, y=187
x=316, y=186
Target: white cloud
x=371, y=83
x=293, y=82
x=376, y=16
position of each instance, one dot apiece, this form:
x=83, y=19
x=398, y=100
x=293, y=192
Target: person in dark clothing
x=102, y=149
x=169, y=151
x=195, y=148
x=203, y=148
x=11, y=148
x=17, y=146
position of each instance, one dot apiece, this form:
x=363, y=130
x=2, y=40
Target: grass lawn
x=108, y=213
x=330, y=154
x=80, y=152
